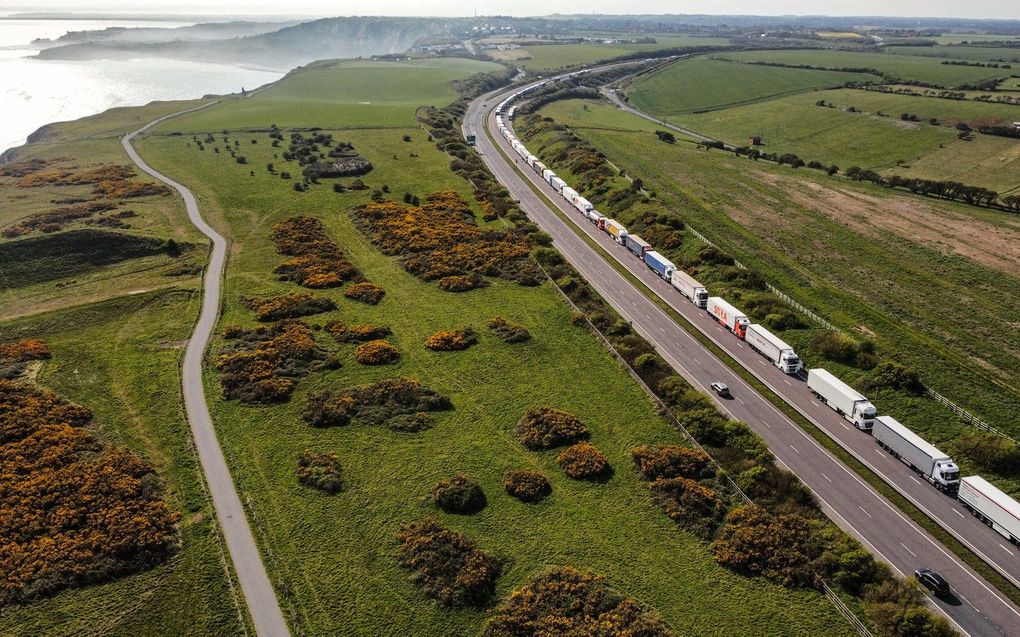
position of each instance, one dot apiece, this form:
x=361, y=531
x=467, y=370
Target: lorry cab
x=864, y=415
x=790, y=363
x=740, y=329
x=946, y=476
x=701, y=298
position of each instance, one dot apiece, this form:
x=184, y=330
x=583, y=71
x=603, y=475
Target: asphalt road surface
x=251, y=572
x=976, y=607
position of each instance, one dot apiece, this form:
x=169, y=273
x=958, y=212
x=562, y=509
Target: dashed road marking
x=915, y=479
x=908, y=550
x=865, y=512
x=815, y=404
x=826, y=477
x=958, y=513
x=1005, y=549
x=794, y=448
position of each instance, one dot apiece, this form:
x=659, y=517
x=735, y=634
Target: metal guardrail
x=844, y=610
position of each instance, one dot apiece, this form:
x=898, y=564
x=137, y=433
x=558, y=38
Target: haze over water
x=36, y=92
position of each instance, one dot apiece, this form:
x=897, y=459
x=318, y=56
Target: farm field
x=553, y=56
x=970, y=53
x=827, y=242
x=903, y=67
x=335, y=555
x=703, y=84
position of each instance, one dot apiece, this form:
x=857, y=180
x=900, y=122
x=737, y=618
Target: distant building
x=755, y=140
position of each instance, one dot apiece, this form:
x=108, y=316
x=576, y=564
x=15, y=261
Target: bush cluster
x=891, y=375
x=58, y=218
x=320, y=470
x=14, y=357
x=75, y=510
x=261, y=366
x=509, y=332
x=545, y=428
x=583, y=461
x=526, y=485
x=401, y=404
x=670, y=461
x=289, y=306
x=691, y=504
x=365, y=292
x=346, y=333
x=316, y=260
x=778, y=547
x=840, y=348
x=377, y=352
x=440, y=239
x=989, y=451
x=452, y=340
x=565, y=601
x=458, y=494
x=461, y=282
x=446, y=564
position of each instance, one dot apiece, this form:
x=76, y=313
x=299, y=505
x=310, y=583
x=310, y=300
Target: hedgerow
x=346, y=333
x=509, y=332
x=565, y=601
x=583, y=461
x=320, y=470
x=545, y=428
x=452, y=340
x=401, y=404
x=526, y=485
x=317, y=261
x=261, y=366
x=365, y=292
x=458, y=494
x=448, y=566
x=440, y=239
x=670, y=461
x=289, y=306
x=73, y=510
x=14, y=357
x=377, y=352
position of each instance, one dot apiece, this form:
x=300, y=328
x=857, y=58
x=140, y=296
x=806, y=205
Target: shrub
x=401, y=404
x=458, y=494
x=365, y=292
x=452, y=340
x=778, y=547
x=320, y=470
x=346, y=333
x=461, y=283
x=447, y=565
x=545, y=428
x=565, y=601
x=377, y=352
x=288, y=306
x=890, y=375
x=989, y=451
x=843, y=349
x=317, y=262
x=508, y=332
x=670, y=461
x=526, y=485
x=14, y=357
x=260, y=366
x=690, y=504
x=583, y=461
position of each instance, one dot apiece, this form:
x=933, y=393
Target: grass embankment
x=336, y=555
x=784, y=224
x=553, y=56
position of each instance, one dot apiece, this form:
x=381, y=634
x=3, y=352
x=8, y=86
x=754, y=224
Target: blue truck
x=662, y=266
x=637, y=245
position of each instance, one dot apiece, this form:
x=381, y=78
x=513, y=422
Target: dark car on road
x=932, y=581
x=721, y=389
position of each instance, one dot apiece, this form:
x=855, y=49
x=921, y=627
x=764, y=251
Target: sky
x=941, y=8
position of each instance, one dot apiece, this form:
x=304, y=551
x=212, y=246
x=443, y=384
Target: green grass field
x=970, y=53
x=554, y=56
x=865, y=258
x=335, y=555
x=702, y=84
x=903, y=67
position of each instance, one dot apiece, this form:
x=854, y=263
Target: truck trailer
x=773, y=348
x=842, y=398
x=917, y=453
x=615, y=230
x=547, y=175
x=557, y=183
x=686, y=284
x=728, y=316
x=597, y=218
x=991, y=506
x=660, y=264
x=568, y=193
x=637, y=245
x=583, y=205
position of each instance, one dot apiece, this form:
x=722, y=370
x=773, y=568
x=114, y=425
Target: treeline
x=953, y=190
x=1001, y=131
x=984, y=65
x=984, y=85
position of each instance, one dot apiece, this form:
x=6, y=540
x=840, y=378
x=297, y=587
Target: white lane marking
x=696, y=361
x=826, y=477
x=958, y=513
x=815, y=404
x=740, y=345
x=879, y=452
x=740, y=401
x=1005, y=549
x=788, y=382
x=845, y=426
x=865, y=510
x=794, y=448
x=908, y=550
x=915, y=479
x=762, y=362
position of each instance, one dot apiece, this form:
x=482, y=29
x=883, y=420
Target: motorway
x=977, y=608
x=263, y=606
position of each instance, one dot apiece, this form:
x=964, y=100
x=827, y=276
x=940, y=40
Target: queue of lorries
x=983, y=499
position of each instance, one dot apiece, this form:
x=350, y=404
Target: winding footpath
x=263, y=605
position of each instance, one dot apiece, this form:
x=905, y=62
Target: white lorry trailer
x=568, y=193
x=773, y=348
x=917, y=453
x=687, y=285
x=730, y=317
x=844, y=399
x=991, y=506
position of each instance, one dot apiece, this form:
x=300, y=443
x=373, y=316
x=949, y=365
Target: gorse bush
x=448, y=566
x=508, y=332
x=670, y=461
x=75, y=510
x=59, y=218
x=891, y=375
x=565, y=601
x=526, y=485
x=461, y=282
x=583, y=461
x=262, y=365
x=545, y=428
x=288, y=306
x=317, y=261
x=690, y=504
x=458, y=494
x=778, y=547
x=365, y=292
x=452, y=340
x=989, y=451
x=378, y=352
x=401, y=404
x=14, y=357
x=320, y=470
x=346, y=333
